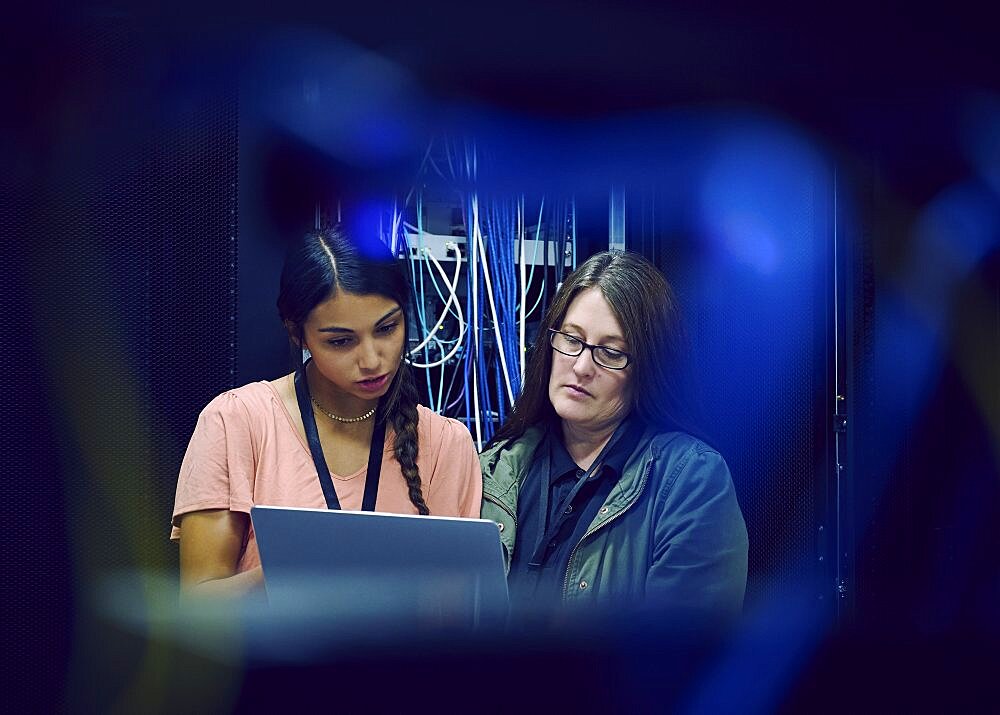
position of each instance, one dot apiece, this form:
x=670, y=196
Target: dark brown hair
x=646, y=308
x=310, y=277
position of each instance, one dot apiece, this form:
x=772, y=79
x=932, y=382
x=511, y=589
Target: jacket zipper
x=503, y=506
x=510, y=553
x=642, y=487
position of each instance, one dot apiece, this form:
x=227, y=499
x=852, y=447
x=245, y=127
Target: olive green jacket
x=670, y=531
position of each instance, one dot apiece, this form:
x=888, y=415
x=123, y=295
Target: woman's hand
x=210, y=547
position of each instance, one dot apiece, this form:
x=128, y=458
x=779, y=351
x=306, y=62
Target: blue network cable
x=419, y=296
x=467, y=363
x=487, y=355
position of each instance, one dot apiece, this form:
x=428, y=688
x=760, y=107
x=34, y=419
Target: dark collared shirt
x=552, y=466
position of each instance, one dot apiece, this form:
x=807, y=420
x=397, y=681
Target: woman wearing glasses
x=601, y=493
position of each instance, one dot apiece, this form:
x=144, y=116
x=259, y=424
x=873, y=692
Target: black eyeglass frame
x=553, y=332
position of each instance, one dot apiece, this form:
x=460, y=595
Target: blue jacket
x=670, y=532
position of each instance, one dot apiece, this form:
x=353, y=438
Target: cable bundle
x=483, y=336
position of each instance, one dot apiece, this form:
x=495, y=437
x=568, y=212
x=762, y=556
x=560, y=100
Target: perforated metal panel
x=122, y=299
x=761, y=359
x=156, y=208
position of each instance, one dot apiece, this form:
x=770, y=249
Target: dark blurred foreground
x=139, y=652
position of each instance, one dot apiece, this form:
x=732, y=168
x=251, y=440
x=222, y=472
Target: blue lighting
x=757, y=197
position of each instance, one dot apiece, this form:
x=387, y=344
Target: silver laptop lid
x=357, y=564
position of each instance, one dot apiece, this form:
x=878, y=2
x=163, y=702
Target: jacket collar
x=506, y=464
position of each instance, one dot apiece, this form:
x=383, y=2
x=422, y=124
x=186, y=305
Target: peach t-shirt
x=246, y=450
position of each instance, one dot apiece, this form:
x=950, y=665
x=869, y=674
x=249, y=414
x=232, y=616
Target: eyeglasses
x=605, y=357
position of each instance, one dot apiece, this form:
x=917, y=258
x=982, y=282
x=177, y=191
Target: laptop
x=355, y=565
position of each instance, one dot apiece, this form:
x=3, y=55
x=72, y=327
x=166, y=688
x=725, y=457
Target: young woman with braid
x=307, y=439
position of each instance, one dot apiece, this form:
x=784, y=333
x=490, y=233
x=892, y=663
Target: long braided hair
x=328, y=260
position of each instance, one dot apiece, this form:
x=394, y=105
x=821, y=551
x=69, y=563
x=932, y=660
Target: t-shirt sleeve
x=218, y=467
x=456, y=487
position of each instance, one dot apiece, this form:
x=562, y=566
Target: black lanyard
x=547, y=535
x=316, y=449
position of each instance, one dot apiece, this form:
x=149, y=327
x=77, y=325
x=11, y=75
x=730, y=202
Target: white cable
x=461, y=320
x=413, y=272
x=475, y=408
x=473, y=273
x=534, y=252
x=538, y=300
x=452, y=296
x=425, y=249
x=438, y=363
x=440, y=391
x=397, y=216
x=521, y=231
x=440, y=399
x=493, y=307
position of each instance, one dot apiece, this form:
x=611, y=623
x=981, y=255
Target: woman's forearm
x=232, y=586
